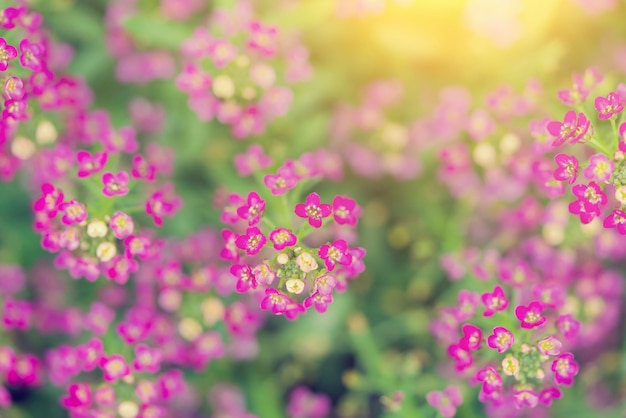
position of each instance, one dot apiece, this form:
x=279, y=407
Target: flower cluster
x=296, y=261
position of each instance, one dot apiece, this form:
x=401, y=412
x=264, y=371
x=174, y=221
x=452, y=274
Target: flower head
x=530, y=316
x=313, y=210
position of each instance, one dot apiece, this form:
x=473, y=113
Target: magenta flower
x=78, y=395
x=462, y=357
x=472, y=337
x=8, y=17
x=32, y=54
x=193, y=79
x=14, y=88
x=142, y=169
x=568, y=326
x=335, y=253
x=7, y=52
x=253, y=209
x=325, y=284
x=158, y=206
x=115, y=184
x=90, y=164
x=502, y=339
x=617, y=219
x=589, y=199
x=280, y=182
x=530, y=316
x=274, y=301
x=229, y=251
x=491, y=379
x=305, y=404
x=263, y=39
x=252, y=241
x=122, y=225
x=600, y=168
x=75, y=212
x=568, y=168
x=564, y=368
x=525, y=397
x=221, y=52
x=245, y=278
x=282, y=237
x=319, y=301
x=345, y=211
x=147, y=359
x=313, y=210
x=495, y=301
x=445, y=401
x=573, y=128
x=608, y=106
x=547, y=395
x=50, y=200
x=114, y=367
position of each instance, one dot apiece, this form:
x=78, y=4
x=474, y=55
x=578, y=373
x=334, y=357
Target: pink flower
x=78, y=395
x=345, y=211
x=114, y=367
x=445, y=401
x=147, y=359
x=193, y=80
x=564, y=368
x=589, y=199
x=334, y=253
x=325, y=284
x=158, y=206
x=568, y=326
x=461, y=355
x=313, y=210
x=90, y=164
x=280, y=182
x=274, y=301
x=600, y=169
x=229, y=251
x=573, y=128
x=141, y=169
x=263, y=39
x=491, y=379
x=254, y=159
x=525, y=397
x=122, y=225
x=319, y=301
x=221, y=52
x=608, y=106
x=549, y=346
x=32, y=55
x=245, y=278
x=495, y=301
x=252, y=241
x=115, y=184
x=568, y=168
x=75, y=212
x=305, y=404
x=14, y=88
x=530, y=316
x=282, y=237
x=547, y=395
x=7, y=52
x=472, y=337
x=502, y=339
x=253, y=210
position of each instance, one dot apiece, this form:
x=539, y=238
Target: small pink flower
x=568, y=326
x=193, y=79
x=162, y=203
x=445, y=401
x=274, y=301
x=325, y=284
x=462, y=356
x=573, y=128
x=547, y=395
x=147, y=359
x=495, y=301
x=115, y=184
x=142, y=169
x=335, y=253
x=114, y=367
x=525, y=397
x=564, y=368
x=568, y=168
x=305, y=404
x=221, y=52
x=600, y=169
x=282, y=238
x=7, y=52
x=78, y=395
x=229, y=251
x=313, y=210
x=319, y=301
x=89, y=164
x=608, y=106
x=530, y=316
x=589, y=200
x=75, y=212
x=280, y=182
x=245, y=278
x=263, y=39
x=253, y=209
x=122, y=225
x=345, y=211
x=491, y=379
x=502, y=339
x=254, y=159
x=252, y=241
x=32, y=55
x=549, y=346
x=472, y=337
x=14, y=88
